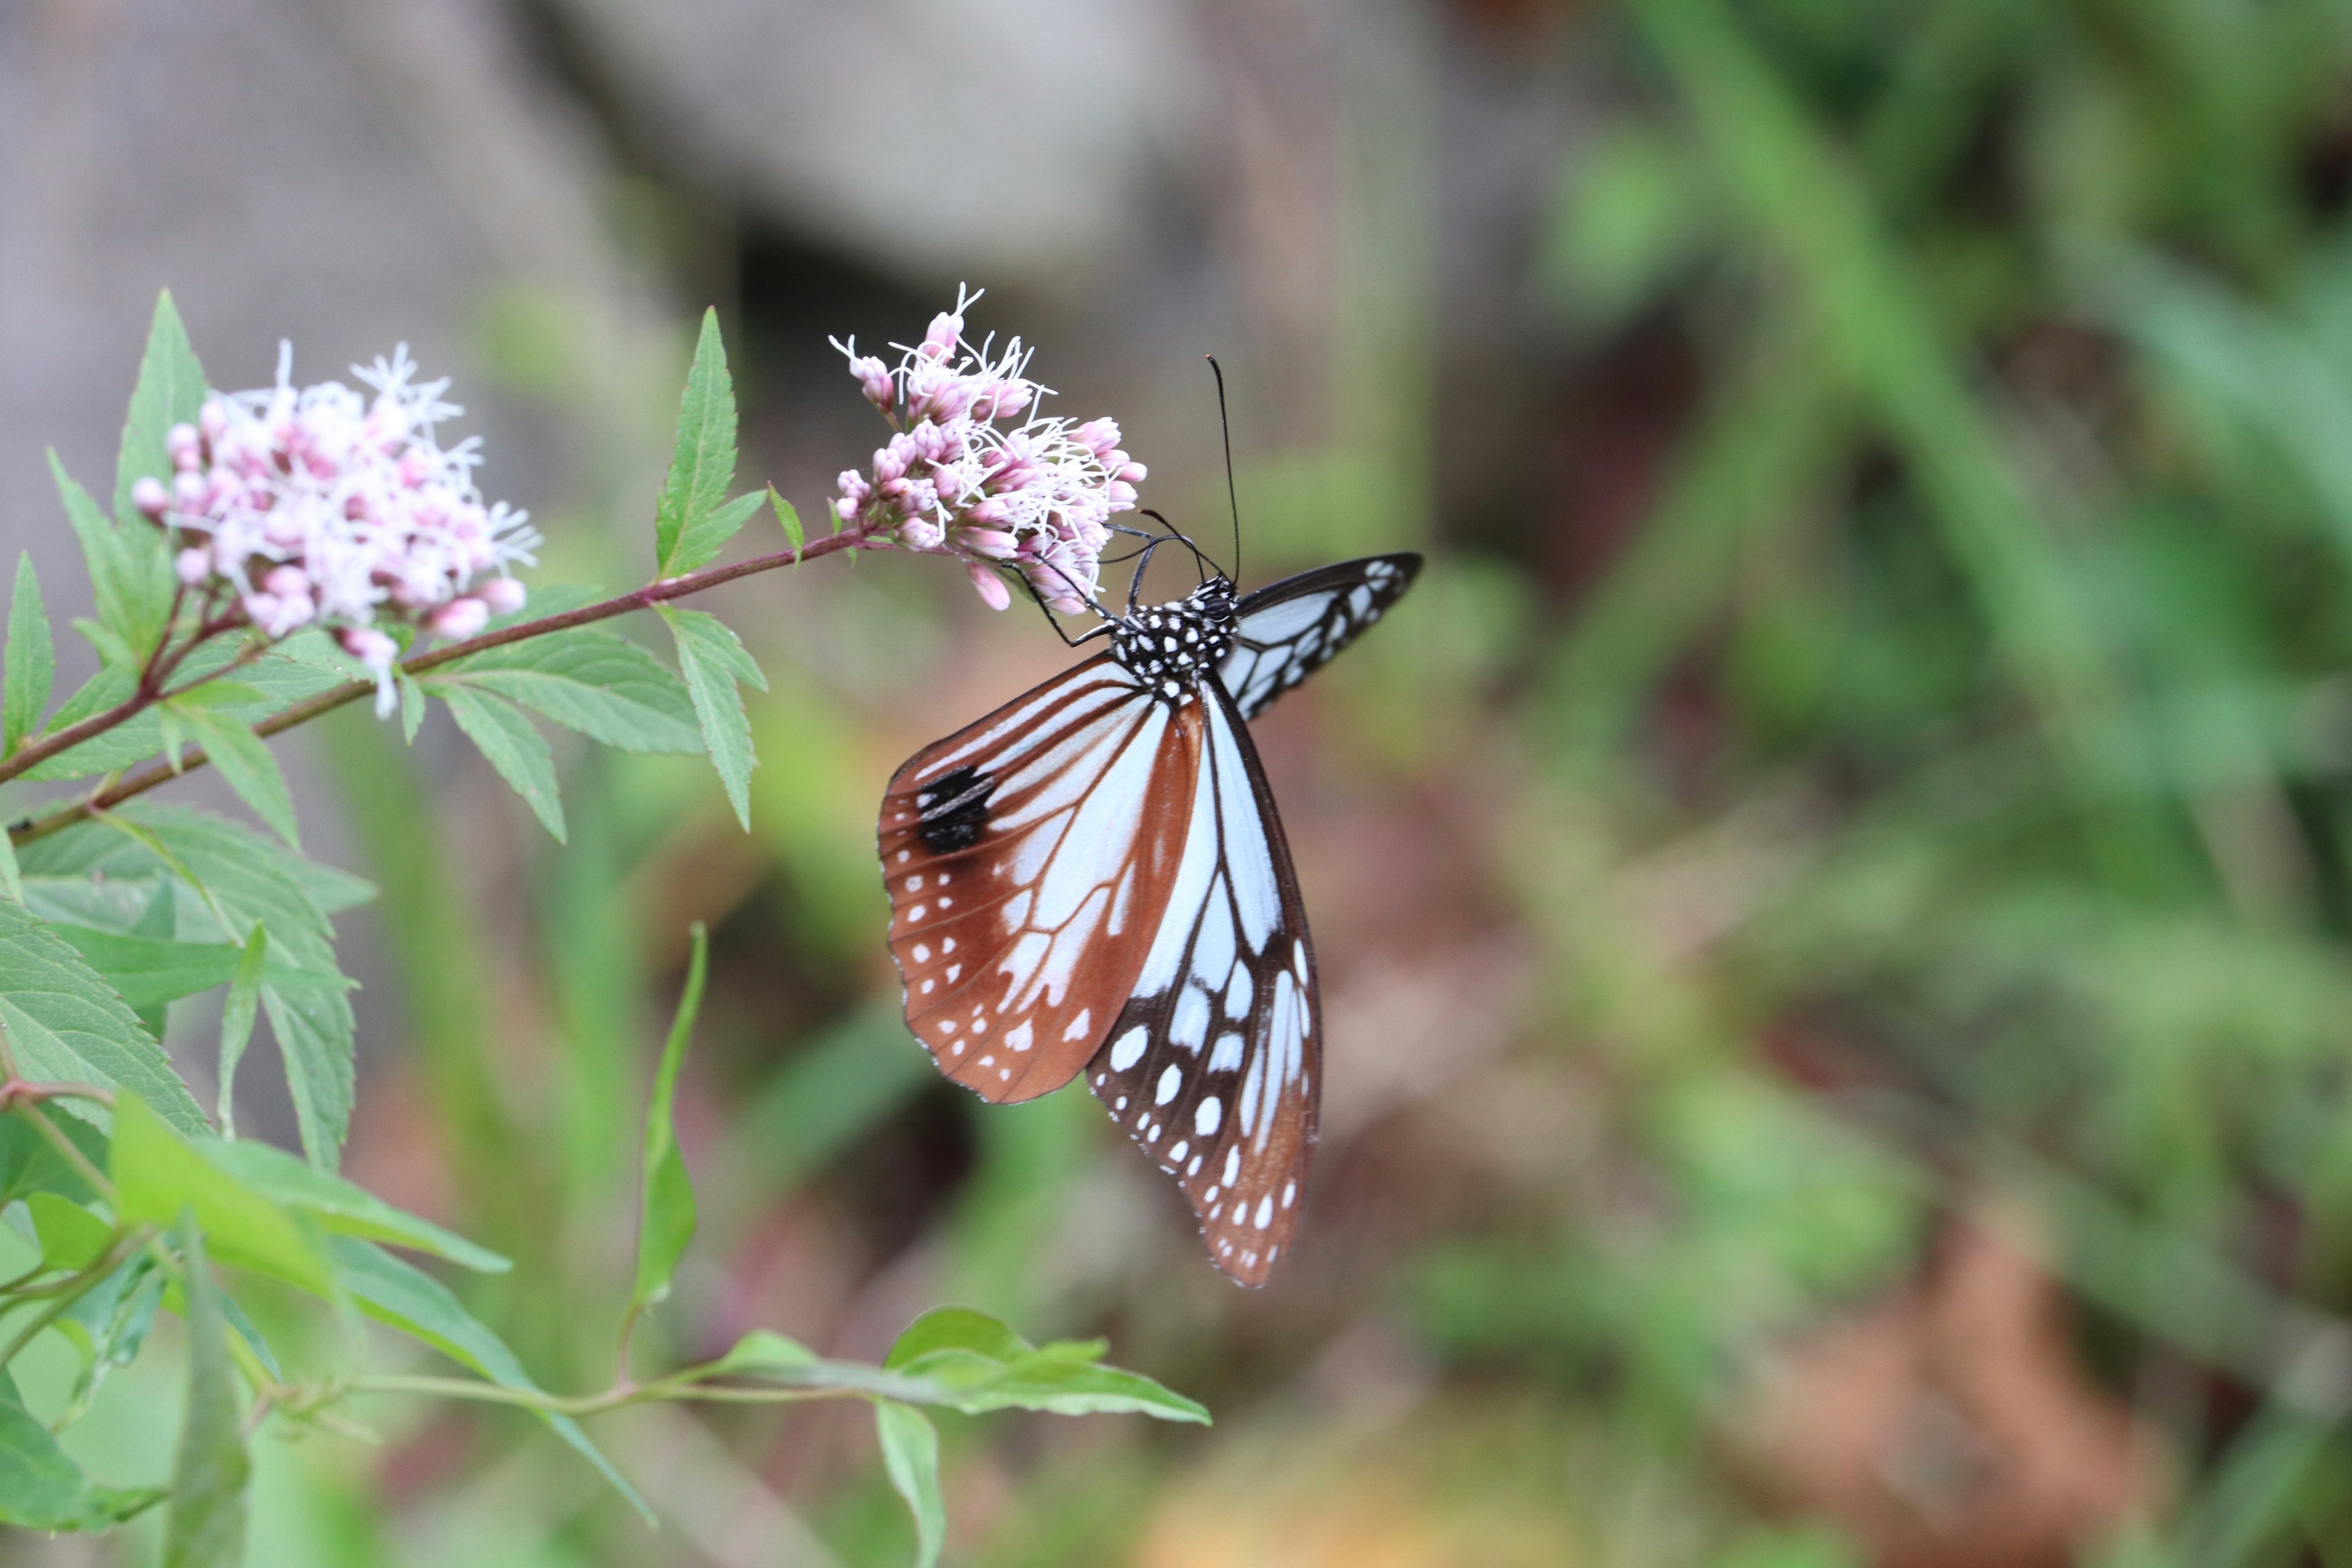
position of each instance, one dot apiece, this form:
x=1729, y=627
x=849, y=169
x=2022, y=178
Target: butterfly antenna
x=1232, y=496
x=1201, y=563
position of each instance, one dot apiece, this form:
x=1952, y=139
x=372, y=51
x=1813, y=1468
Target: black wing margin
x=1215, y=1065
x=1287, y=630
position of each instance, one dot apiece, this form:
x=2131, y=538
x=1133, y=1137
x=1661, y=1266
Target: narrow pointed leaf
x=170, y=390
x=244, y=759
x=666, y=1213
x=12, y=876
x=204, y=1523
x=910, y=1452
x=789, y=520
x=158, y=1175
x=148, y=971
x=41, y=1487
x=64, y=1023
x=102, y=552
x=712, y=659
x=342, y=1207
x=32, y=660
x=702, y=461
x=237, y=1013
x=513, y=746
x=593, y=680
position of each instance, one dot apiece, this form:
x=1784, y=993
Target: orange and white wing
x=1029, y=859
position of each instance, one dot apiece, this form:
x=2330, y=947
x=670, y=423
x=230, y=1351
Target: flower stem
x=301, y=712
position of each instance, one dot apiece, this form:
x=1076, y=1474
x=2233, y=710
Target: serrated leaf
x=244, y=876
x=157, y=1174
x=789, y=520
x=204, y=1523
x=245, y=760
x=910, y=1453
x=109, y=574
x=702, y=461
x=666, y=1209
x=419, y=1306
x=64, y=1024
x=412, y=704
x=41, y=1487
x=342, y=1207
x=146, y=971
x=513, y=746
x=589, y=679
x=712, y=659
x=983, y=1364
x=170, y=390
x=237, y=1015
x=12, y=876
x=32, y=660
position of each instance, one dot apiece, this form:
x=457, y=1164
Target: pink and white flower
x=322, y=505
x=958, y=478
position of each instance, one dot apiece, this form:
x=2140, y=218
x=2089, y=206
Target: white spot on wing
x=1129, y=1050
x=1171, y=1081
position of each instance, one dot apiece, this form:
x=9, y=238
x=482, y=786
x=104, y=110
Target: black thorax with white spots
x=1171, y=648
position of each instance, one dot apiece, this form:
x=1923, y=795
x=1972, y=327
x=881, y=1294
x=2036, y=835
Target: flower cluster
x=321, y=505
x=958, y=479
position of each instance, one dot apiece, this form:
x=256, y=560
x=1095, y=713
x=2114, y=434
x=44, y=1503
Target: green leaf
x=148, y=971
x=237, y=1013
x=419, y=1306
x=12, y=876
x=30, y=1164
x=41, y=1488
x=118, y=612
x=340, y=1206
x=593, y=680
x=666, y=1212
x=790, y=518
x=687, y=526
x=245, y=760
x=412, y=704
x=63, y=1023
x=981, y=1364
x=763, y=1357
x=910, y=1452
x=109, y=1325
x=513, y=746
x=204, y=1523
x=70, y=1236
x=158, y=1175
x=32, y=660
x=234, y=876
x=170, y=390
x=712, y=659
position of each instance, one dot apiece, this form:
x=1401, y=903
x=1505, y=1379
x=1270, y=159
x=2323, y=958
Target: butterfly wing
x=1215, y=1065
x=1289, y=629
x=1029, y=858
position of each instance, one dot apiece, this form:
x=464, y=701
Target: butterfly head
x=1171, y=648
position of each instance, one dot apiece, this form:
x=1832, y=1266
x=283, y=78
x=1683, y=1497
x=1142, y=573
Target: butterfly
x=1093, y=879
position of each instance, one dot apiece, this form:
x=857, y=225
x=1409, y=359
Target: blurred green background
x=1834, y=891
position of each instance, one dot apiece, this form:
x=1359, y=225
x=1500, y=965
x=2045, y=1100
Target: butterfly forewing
x=1029, y=858
x=1289, y=629
x=1214, y=1067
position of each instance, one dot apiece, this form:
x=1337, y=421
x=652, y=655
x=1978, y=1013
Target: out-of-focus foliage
x=1834, y=891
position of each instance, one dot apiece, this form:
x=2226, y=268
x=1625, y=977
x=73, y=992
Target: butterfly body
x=1094, y=878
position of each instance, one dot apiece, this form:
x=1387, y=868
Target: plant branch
x=303, y=713
x=618, y=1396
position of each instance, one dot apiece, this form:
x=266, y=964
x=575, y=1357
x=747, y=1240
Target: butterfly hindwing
x=1029, y=858
x=1215, y=1065
x=1287, y=630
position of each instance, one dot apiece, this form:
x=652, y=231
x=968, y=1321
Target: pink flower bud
x=370, y=646
x=288, y=581
x=1099, y=436
x=991, y=588
x=994, y=544
x=1132, y=473
x=459, y=618
x=151, y=498
x=947, y=328
x=874, y=376
x=193, y=565
x=212, y=421
x=188, y=491
x=504, y=595
x=923, y=533
x=182, y=446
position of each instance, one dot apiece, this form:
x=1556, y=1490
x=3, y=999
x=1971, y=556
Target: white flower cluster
x=321, y=505
x=954, y=480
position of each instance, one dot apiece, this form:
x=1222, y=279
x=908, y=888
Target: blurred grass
x=1925, y=812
